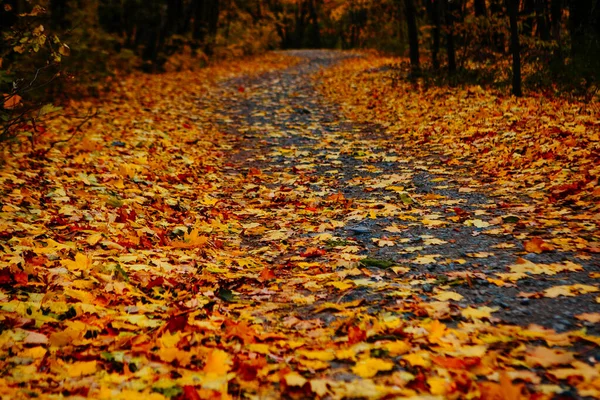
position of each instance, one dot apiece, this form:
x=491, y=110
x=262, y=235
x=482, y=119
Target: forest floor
x=309, y=224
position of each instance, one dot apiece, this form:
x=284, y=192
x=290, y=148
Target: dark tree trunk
x=480, y=8
x=555, y=18
x=542, y=19
x=206, y=22
x=59, y=9
x=581, y=26
x=8, y=17
x=450, y=49
x=513, y=9
x=433, y=9
x=413, y=34
x=498, y=38
x=529, y=16
x=300, y=24
x=315, y=32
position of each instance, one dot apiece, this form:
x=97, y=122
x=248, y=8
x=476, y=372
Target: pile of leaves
x=97, y=248
x=541, y=148
x=144, y=258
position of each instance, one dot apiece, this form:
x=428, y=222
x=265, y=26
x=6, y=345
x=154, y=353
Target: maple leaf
x=369, y=367
x=294, y=379
x=570, y=290
x=537, y=245
x=505, y=390
x=478, y=313
x=547, y=357
x=589, y=317
x=218, y=362
x=448, y=295
x=312, y=252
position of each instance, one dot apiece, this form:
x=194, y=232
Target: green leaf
x=114, y=202
x=122, y=272
x=49, y=108
x=225, y=294
x=372, y=262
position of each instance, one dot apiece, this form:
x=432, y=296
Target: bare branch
x=75, y=131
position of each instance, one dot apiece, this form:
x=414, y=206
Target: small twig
x=75, y=131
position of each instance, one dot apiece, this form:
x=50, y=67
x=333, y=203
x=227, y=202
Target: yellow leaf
x=259, y=348
x=580, y=369
x=369, y=367
x=315, y=365
x=590, y=317
x=569, y=290
x=218, y=363
x=400, y=270
x=418, y=359
x=448, y=295
x=294, y=379
x=546, y=357
x=82, y=368
x=320, y=387
x=478, y=313
x=383, y=242
x=342, y=285
x=36, y=353
x=94, y=238
x=427, y=259
x=437, y=385
x=170, y=354
x=82, y=262
x=345, y=354
x=316, y=355
x=396, y=348
x=478, y=223
x=481, y=254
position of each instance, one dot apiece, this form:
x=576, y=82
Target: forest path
x=327, y=181
x=216, y=236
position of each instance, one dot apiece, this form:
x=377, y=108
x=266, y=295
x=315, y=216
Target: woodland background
x=55, y=49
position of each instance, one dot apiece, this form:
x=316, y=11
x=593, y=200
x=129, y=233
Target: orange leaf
x=356, y=335
x=313, y=252
x=190, y=393
x=266, y=274
x=456, y=363
x=217, y=363
x=11, y=102
x=537, y=245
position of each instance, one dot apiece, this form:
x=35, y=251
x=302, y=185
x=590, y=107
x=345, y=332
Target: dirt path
x=288, y=253
x=302, y=143
x=321, y=193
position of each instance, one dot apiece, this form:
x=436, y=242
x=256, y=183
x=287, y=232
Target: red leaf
x=190, y=393
x=266, y=274
x=20, y=278
x=312, y=252
x=356, y=335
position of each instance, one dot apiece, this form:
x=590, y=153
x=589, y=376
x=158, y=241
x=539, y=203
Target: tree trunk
x=498, y=38
x=480, y=8
x=413, y=34
x=555, y=18
x=542, y=19
x=580, y=18
x=433, y=8
x=206, y=22
x=450, y=49
x=529, y=16
x=515, y=47
x=315, y=32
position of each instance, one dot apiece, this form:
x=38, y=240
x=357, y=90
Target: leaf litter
x=217, y=243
